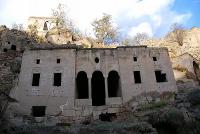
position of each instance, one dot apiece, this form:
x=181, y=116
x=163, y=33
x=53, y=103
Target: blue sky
x=192, y=6
x=153, y=17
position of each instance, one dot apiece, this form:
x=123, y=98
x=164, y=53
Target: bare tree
x=18, y=27
x=138, y=40
x=62, y=20
x=61, y=17
x=177, y=34
x=32, y=29
x=104, y=30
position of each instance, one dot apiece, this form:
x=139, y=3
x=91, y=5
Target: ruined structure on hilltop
x=43, y=24
x=47, y=29
x=76, y=83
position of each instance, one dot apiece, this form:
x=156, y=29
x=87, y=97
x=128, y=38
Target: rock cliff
x=191, y=44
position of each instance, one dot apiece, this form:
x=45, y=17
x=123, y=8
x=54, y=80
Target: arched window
x=82, y=85
x=45, y=26
x=114, y=89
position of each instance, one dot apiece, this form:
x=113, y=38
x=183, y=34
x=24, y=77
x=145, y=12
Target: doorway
x=114, y=84
x=98, y=89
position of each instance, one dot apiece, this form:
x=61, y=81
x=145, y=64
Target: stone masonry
x=74, y=83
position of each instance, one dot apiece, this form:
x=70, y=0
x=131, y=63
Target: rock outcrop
x=191, y=44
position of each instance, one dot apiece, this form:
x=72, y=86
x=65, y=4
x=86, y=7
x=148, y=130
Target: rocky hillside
x=14, y=39
x=12, y=45
x=191, y=43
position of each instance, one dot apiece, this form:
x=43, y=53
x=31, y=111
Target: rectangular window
x=57, y=79
x=134, y=58
x=38, y=111
x=154, y=59
x=37, y=61
x=58, y=60
x=137, y=76
x=36, y=79
x=160, y=77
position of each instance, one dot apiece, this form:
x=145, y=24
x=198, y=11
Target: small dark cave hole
x=5, y=50
x=13, y=47
x=107, y=117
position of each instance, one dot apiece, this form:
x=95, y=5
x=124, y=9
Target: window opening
x=97, y=60
x=36, y=79
x=154, y=59
x=57, y=79
x=160, y=77
x=37, y=61
x=38, y=111
x=137, y=76
x=58, y=60
x=135, y=58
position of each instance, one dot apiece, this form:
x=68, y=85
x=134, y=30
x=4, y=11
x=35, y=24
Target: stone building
x=47, y=29
x=75, y=82
x=44, y=24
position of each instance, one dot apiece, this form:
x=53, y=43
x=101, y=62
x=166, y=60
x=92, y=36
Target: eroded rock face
x=12, y=45
x=59, y=36
x=191, y=44
x=14, y=40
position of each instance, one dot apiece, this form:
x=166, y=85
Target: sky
x=153, y=17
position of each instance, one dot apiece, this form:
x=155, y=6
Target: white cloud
x=127, y=14
x=181, y=18
x=148, y=7
x=142, y=28
x=157, y=20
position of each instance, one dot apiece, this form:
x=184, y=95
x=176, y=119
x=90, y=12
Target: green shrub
x=154, y=105
x=169, y=121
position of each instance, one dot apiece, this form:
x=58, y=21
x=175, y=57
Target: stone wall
x=46, y=94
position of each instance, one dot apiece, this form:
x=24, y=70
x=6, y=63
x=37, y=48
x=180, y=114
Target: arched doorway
x=82, y=85
x=114, y=84
x=98, y=89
